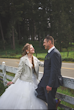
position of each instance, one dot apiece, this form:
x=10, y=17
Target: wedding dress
x=21, y=95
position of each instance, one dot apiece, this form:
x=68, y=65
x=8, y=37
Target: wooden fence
x=67, y=82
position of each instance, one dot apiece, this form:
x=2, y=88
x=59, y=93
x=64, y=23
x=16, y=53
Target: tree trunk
x=34, y=30
x=2, y=36
x=60, y=47
x=19, y=33
x=67, y=52
x=39, y=39
x=13, y=38
x=32, y=33
x=11, y=42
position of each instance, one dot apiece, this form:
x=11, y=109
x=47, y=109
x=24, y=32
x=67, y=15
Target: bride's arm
x=41, y=63
x=20, y=68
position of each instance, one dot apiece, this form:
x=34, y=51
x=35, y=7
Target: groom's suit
x=51, y=77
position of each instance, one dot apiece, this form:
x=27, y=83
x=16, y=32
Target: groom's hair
x=48, y=37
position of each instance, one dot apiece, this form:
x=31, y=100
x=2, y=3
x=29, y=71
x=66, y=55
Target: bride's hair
x=26, y=47
x=32, y=62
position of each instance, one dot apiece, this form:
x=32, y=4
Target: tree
x=61, y=24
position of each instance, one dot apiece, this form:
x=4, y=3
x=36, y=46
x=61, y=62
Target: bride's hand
x=9, y=83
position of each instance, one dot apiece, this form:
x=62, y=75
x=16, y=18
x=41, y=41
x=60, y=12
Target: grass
x=68, y=92
x=11, y=74
x=2, y=88
x=64, y=55
x=40, y=52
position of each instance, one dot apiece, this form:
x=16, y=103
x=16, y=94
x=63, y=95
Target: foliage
x=22, y=21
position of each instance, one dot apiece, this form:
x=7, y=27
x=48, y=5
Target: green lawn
x=68, y=92
x=64, y=55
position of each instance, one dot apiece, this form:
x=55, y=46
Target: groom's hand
x=48, y=88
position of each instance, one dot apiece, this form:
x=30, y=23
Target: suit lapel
x=49, y=54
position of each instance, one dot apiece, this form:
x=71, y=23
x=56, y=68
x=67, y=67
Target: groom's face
x=46, y=44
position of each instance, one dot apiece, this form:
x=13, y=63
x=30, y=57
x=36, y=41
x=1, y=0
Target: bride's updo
x=26, y=47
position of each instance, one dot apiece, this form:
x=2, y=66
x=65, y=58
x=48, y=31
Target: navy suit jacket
x=52, y=70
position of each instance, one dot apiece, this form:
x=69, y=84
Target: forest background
x=23, y=21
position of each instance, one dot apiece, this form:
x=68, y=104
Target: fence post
x=4, y=73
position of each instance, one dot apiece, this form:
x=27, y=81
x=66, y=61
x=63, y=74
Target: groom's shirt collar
x=51, y=49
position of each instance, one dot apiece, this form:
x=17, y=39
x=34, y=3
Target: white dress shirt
x=51, y=49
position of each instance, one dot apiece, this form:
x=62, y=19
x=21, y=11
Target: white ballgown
x=21, y=95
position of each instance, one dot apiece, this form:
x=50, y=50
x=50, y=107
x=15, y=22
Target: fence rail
x=68, y=82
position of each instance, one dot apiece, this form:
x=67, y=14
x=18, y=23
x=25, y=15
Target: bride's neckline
x=30, y=59
x=29, y=56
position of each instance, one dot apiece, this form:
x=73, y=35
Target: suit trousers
x=49, y=98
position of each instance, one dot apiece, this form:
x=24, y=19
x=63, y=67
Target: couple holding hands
x=25, y=92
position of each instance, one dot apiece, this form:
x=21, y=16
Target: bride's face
x=31, y=49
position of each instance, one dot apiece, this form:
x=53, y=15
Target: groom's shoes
x=57, y=102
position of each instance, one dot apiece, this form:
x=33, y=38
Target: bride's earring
x=28, y=52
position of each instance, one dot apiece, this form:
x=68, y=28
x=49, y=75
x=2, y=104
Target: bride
x=21, y=92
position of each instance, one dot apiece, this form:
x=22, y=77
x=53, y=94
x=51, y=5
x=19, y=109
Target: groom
x=52, y=78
